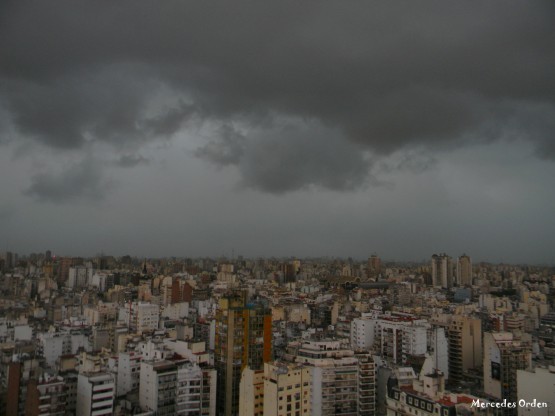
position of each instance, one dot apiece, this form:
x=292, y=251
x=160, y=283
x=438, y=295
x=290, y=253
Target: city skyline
x=279, y=130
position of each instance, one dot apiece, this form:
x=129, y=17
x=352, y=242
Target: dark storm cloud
x=226, y=148
x=379, y=77
x=79, y=181
x=289, y=155
x=130, y=161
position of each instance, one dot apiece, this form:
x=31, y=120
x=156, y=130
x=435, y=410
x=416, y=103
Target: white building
x=397, y=338
x=95, y=394
x=129, y=370
x=340, y=379
x=442, y=270
x=362, y=333
x=140, y=317
x=176, y=311
x=54, y=345
x=177, y=388
x=79, y=276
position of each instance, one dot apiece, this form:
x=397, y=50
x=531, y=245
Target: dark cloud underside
x=314, y=87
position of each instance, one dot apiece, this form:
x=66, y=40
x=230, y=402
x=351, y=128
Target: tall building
x=465, y=346
x=64, y=264
x=20, y=371
x=464, y=271
x=95, y=394
x=504, y=355
x=8, y=260
x=243, y=338
x=79, y=276
x=374, y=267
x=442, y=271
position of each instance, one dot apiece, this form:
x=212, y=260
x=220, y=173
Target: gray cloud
x=79, y=181
x=130, y=161
x=226, y=149
x=378, y=77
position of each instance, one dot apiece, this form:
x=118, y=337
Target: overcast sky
x=399, y=128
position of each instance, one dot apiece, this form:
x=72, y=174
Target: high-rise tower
x=374, y=267
x=442, y=271
x=243, y=338
x=464, y=270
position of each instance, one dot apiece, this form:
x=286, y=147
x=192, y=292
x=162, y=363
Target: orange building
x=243, y=338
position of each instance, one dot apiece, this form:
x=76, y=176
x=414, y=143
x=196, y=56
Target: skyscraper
x=464, y=270
x=243, y=338
x=374, y=266
x=442, y=270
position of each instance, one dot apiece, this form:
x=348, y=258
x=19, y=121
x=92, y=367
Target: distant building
x=374, y=267
x=464, y=271
x=140, y=317
x=442, y=271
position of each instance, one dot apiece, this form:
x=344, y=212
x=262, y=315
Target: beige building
x=465, y=346
x=539, y=385
x=251, y=393
x=287, y=389
x=464, y=270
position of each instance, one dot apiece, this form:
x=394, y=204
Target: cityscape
x=127, y=336
x=277, y=208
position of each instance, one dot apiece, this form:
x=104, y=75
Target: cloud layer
x=293, y=94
